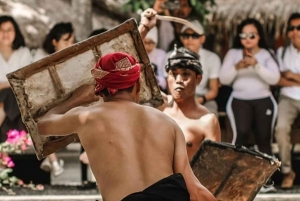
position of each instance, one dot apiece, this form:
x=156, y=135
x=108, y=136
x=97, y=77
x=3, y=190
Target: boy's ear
x=199, y=78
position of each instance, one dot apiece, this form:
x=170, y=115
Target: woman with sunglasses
x=250, y=69
x=289, y=99
x=13, y=56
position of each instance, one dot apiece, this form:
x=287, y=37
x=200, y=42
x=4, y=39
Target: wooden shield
x=44, y=84
x=232, y=173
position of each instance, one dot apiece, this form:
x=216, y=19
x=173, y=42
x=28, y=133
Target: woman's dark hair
x=98, y=31
x=293, y=17
x=262, y=43
x=56, y=33
x=19, y=39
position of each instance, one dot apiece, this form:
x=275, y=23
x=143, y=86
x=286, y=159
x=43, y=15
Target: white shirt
x=290, y=62
x=252, y=82
x=165, y=35
x=19, y=58
x=157, y=56
x=211, y=65
x=39, y=54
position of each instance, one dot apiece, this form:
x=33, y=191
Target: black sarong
x=172, y=188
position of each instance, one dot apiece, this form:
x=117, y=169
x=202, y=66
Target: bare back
x=129, y=147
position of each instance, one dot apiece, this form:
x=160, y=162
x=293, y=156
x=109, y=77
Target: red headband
x=115, y=71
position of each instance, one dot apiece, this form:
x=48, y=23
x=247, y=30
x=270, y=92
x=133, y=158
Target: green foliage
x=200, y=7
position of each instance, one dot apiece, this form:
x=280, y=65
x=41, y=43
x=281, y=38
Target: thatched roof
x=273, y=14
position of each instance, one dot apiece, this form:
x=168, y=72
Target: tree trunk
x=83, y=10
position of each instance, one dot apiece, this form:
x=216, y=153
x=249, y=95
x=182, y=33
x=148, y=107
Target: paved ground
x=64, y=186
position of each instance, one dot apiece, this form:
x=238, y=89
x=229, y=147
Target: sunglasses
x=292, y=28
x=186, y=35
x=244, y=36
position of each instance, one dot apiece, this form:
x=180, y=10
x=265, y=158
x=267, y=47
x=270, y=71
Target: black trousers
x=257, y=117
x=13, y=116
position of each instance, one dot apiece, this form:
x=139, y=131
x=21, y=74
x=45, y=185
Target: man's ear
x=54, y=43
x=203, y=38
x=198, y=78
x=138, y=86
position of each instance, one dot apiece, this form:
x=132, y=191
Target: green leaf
x=193, y=2
x=5, y=181
x=14, y=179
x=136, y=6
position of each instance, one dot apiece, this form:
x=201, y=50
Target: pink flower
x=40, y=187
x=10, y=164
x=23, y=134
x=21, y=182
x=29, y=142
x=7, y=159
x=23, y=147
x=13, y=136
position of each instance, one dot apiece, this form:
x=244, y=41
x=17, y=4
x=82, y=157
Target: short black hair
x=19, y=39
x=184, y=58
x=56, y=33
x=97, y=31
x=293, y=16
x=106, y=93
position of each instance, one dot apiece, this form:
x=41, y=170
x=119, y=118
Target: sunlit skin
x=7, y=34
x=65, y=41
x=149, y=45
x=192, y=43
x=250, y=43
x=294, y=35
x=182, y=83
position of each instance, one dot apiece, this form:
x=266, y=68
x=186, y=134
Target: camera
x=171, y=5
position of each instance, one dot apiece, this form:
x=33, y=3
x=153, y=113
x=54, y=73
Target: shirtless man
x=197, y=123
x=129, y=157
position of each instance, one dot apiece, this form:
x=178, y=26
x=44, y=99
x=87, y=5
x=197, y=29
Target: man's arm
x=181, y=165
x=294, y=77
x=64, y=119
x=287, y=83
x=148, y=21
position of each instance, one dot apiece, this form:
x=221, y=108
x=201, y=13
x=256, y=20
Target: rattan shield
x=42, y=85
x=232, y=173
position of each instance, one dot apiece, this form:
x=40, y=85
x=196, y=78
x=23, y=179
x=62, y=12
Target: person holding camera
x=250, y=69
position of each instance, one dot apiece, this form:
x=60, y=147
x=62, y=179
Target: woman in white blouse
x=13, y=56
x=250, y=69
x=59, y=37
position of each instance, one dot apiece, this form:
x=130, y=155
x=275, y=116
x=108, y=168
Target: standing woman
x=250, y=69
x=60, y=37
x=13, y=56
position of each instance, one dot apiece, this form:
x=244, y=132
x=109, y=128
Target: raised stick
x=181, y=21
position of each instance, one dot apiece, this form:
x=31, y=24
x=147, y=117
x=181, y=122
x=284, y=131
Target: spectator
x=289, y=100
x=13, y=56
x=250, y=68
x=167, y=31
x=156, y=57
x=60, y=36
x=208, y=88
